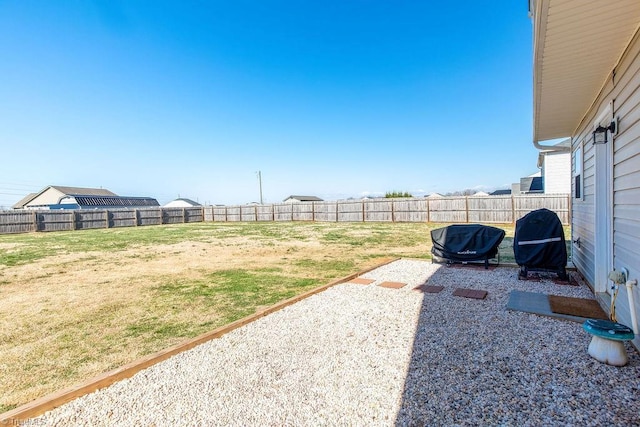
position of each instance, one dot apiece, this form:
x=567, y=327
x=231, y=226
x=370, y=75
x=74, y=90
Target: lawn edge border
x=53, y=400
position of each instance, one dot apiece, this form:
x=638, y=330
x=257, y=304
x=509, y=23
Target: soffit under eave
x=572, y=61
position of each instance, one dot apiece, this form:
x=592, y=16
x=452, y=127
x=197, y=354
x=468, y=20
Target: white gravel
x=367, y=355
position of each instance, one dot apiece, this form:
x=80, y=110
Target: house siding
x=557, y=173
x=623, y=90
x=49, y=197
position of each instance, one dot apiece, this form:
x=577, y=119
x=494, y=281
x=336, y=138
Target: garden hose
x=612, y=309
x=617, y=277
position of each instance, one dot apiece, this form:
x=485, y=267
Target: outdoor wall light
x=600, y=134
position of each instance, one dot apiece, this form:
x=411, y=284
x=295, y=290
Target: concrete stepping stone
x=393, y=285
x=428, y=289
x=470, y=293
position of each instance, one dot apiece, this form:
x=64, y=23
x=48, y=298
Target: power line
x=23, y=184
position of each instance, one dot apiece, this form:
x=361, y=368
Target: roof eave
x=560, y=36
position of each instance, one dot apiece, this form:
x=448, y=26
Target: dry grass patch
x=76, y=304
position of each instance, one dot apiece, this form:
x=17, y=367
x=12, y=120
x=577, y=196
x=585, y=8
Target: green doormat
x=581, y=307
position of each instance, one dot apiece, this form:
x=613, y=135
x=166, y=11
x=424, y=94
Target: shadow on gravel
x=474, y=362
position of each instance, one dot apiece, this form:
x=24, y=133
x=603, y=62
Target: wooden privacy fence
x=488, y=209
x=65, y=220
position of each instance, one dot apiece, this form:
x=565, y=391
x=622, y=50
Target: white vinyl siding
x=49, y=197
x=624, y=91
x=583, y=256
x=557, y=173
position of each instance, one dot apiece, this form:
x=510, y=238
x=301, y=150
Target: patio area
x=380, y=352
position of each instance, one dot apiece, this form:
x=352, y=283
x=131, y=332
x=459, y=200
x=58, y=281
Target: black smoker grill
x=466, y=243
x=539, y=245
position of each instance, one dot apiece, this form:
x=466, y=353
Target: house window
x=577, y=173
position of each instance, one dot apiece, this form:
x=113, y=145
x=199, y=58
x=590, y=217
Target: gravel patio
x=365, y=354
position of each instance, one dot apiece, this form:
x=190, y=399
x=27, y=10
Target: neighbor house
x=298, y=199
x=182, y=203
x=531, y=184
x=555, y=168
x=587, y=87
x=60, y=197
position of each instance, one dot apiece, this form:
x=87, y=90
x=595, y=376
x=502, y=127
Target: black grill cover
x=466, y=242
x=539, y=241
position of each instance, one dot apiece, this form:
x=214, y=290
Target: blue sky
x=335, y=99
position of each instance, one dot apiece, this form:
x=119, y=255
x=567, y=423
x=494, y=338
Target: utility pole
x=260, y=183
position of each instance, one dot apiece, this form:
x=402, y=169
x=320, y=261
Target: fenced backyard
x=75, y=305
x=486, y=210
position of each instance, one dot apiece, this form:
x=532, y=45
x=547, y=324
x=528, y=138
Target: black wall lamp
x=600, y=134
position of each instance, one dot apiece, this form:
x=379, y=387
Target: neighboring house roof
x=182, y=203
x=531, y=184
x=501, y=193
x=63, y=197
x=479, y=194
x=104, y=202
x=69, y=191
x=566, y=45
x=72, y=191
x=435, y=196
x=304, y=198
x=63, y=190
x=26, y=199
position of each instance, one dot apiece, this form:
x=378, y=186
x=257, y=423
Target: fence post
x=135, y=217
x=428, y=213
x=466, y=207
x=336, y=211
x=313, y=211
x=363, y=211
x=393, y=211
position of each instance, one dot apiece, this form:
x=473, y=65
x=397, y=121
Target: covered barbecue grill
x=466, y=243
x=539, y=245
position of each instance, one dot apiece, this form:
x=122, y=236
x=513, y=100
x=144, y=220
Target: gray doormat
x=532, y=302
